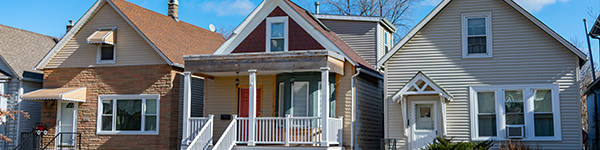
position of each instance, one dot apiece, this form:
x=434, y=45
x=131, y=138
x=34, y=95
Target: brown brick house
x=119, y=72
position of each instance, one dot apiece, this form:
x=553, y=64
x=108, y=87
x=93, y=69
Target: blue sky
x=50, y=17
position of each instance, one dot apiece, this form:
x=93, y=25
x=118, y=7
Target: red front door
x=244, y=95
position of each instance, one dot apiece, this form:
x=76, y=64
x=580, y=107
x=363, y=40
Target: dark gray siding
x=369, y=113
x=360, y=36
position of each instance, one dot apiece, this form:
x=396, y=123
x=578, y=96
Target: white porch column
x=187, y=98
x=325, y=105
x=252, y=109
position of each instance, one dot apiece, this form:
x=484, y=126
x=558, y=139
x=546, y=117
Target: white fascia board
x=12, y=71
x=69, y=35
x=413, y=32
x=141, y=34
x=260, y=13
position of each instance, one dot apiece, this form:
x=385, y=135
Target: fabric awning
x=102, y=36
x=67, y=94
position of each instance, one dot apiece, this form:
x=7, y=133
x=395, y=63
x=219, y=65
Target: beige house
x=483, y=70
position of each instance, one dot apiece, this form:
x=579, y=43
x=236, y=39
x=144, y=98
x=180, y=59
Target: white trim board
x=82, y=22
x=511, y=3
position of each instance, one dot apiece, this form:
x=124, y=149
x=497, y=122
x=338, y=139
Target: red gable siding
x=298, y=38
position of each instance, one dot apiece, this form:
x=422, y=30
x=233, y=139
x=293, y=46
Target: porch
x=276, y=100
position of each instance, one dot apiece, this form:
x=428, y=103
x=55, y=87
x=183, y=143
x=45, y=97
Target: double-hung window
x=128, y=114
x=477, y=35
x=535, y=107
x=277, y=34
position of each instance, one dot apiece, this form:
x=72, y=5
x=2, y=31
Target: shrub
x=440, y=143
x=510, y=145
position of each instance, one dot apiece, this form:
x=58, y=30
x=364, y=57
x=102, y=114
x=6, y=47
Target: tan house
x=113, y=81
x=483, y=70
x=291, y=79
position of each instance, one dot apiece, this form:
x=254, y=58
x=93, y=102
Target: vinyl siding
x=131, y=48
x=344, y=102
x=369, y=113
x=380, y=41
x=221, y=99
x=522, y=54
x=360, y=36
x=33, y=108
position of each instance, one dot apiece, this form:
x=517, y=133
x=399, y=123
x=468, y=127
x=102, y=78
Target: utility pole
x=590, y=50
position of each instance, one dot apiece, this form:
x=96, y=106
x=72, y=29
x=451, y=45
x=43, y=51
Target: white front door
x=423, y=124
x=67, y=123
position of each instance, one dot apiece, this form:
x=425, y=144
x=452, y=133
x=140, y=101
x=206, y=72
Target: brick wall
x=149, y=79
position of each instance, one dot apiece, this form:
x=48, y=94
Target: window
x=106, y=53
x=277, y=34
x=386, y=42
x=477, y=35
x=128, y=114
x=533, y=106
x=300, y=99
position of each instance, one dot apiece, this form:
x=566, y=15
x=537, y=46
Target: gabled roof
x=511, y=3
x=306, y=20
x=421, y=84
x=171, y=39
x=21, y=49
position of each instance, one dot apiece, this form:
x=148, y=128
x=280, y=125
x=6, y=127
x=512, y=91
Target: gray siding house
x=479, y=70
x=20, y=51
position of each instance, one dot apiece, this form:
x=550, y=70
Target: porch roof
x=270, y=62
x=67, y=94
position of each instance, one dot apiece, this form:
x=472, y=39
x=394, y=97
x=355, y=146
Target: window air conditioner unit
x=515, y=131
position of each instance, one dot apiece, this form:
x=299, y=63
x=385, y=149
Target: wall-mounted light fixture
x=237, y=80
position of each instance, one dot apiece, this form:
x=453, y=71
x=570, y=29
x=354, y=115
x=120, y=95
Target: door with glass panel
x=423, y=123
x=67, y=125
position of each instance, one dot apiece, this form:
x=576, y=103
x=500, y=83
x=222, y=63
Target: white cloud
x=536, y=5
x=430, y=2
x=228, y=7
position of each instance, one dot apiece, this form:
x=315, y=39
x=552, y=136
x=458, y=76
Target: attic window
x=106, y=54
x=277, y=34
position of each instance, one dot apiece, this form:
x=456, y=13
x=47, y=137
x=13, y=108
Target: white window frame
x=99, y=55
x=114, y=98
x=285, y=22
x=465, y=35
x=528, y=107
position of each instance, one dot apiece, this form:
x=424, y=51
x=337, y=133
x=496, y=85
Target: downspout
x=353, y=108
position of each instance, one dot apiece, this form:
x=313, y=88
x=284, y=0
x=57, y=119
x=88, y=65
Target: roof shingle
x=173, y=38
x=23, y=49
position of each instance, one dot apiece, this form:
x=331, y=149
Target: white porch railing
x=228, y=139
x=196, y=124
x=289, y=130
x=335, y=130
x=203, y=138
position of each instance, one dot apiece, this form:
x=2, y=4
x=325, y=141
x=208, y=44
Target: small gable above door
x=277, y=32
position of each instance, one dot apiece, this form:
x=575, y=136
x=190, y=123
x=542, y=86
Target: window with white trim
x=277, y=34
x=106, y=54
x=536, y=107
x=128, y=114
x=476, y=35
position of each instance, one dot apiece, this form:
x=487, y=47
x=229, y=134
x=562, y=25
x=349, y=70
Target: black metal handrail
x=60, y=145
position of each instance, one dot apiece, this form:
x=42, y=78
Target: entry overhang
x=66, y=94
x=265, y=62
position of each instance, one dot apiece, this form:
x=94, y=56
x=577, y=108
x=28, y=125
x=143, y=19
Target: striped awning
x=66, y=94
x=103, y=36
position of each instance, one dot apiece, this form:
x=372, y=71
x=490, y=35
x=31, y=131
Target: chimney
x=173, y=9
x=317, y=7
x=70, y=25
